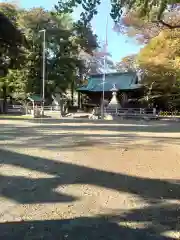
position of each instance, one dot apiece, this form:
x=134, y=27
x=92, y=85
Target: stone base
x=108, y=117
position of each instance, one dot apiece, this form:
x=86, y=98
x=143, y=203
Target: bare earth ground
x=81, y=180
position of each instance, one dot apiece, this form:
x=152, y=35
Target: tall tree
x=160, y=61
x=143, y=29
x=64, y=41
x=12, y=42
x=61, y=51
x=9, y=32
x=86, y=40
x=127, y=63
x=146, y=9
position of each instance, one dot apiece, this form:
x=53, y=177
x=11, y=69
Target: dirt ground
x=82, y=180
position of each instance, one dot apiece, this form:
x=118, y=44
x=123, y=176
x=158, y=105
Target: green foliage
x=64, y=41
x=10, y=35
x=15, y=82
x=145, y=9
x=90, y=8
x=128, y=63
x=160, y=58
x=160, y=61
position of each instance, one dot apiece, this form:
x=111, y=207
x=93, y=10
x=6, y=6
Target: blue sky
x=118, y=45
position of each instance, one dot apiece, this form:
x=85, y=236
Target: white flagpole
x=104, y=72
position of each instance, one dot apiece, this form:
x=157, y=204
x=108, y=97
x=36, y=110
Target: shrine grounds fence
x=122, y=112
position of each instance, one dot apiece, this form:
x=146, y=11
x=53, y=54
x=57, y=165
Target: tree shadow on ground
x=163, y=216
x=79, y=229
x=67, y=173
x=133, y=126
x=64, y=138
x=28, y=191
x=107, y=226
x=85, y=124
x=79, y=142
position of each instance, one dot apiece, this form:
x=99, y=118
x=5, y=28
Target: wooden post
x=33, y=112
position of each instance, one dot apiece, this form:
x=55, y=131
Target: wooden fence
x=129, y=112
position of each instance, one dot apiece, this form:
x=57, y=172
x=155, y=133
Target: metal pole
x=43, y=68
x=103, y=81
x=44, y=62
x=104, y=73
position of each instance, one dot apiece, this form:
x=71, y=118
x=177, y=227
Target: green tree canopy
x=64, y=42
x=146, y=9
x=11, y=38
x=160, y=61
x=9, y=32
x=127, y=63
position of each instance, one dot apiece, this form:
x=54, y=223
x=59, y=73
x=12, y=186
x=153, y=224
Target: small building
x=34, y=105
x=35, y=100
x=129, y=89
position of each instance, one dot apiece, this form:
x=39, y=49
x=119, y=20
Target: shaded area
x=154, y=191
x=78, y=142
x=83, y=135
x=165, y=215
x=121, y=125
x=159, y=216
x=24, y=190
x=82, y=228
x=17, y=188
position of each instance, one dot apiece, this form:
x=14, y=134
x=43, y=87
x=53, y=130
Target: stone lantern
x=114, y=101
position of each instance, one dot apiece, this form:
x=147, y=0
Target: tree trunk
x=79, y=94
x=62, y=106
x=72, y=93
x=79, y=100
x=4, y=106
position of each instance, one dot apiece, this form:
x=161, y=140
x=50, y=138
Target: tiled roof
x=35, y=98
x=122, y=81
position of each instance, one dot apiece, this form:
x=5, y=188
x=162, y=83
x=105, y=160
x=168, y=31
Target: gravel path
x=79, y=180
